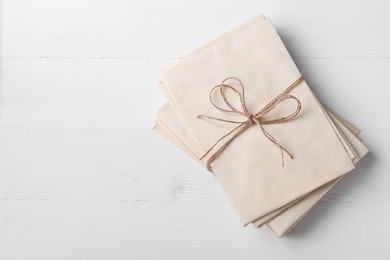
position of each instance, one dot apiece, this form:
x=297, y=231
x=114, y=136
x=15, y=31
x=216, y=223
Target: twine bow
x=251, y=119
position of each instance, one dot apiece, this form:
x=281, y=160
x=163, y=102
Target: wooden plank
x=118, y=93
x=172, y=28
x=139, y=165
x=96, y=229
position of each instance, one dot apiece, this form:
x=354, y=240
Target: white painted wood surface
x=83, y=176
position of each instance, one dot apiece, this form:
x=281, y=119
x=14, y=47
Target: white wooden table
x=83, y=175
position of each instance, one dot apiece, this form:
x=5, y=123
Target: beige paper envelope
x=263, y=220
x=250, y=170
x=266, y=218
x=355, y=129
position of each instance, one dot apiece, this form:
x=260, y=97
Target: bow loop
x=284, y=118
x=223, y=89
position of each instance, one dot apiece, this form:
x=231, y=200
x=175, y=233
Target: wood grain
x=83, y=175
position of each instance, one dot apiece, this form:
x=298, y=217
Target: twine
x=251, y=119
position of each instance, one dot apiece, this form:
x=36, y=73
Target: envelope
x=249, y=169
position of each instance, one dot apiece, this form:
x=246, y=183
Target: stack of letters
x=240, y=106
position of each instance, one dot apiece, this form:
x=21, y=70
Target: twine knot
x=252, y=119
